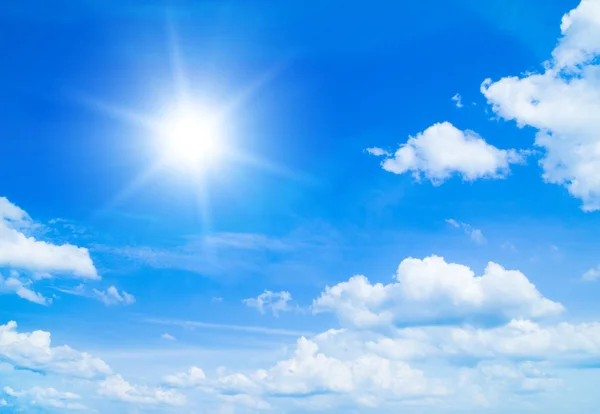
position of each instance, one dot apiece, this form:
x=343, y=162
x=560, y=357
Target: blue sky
x=401, y=212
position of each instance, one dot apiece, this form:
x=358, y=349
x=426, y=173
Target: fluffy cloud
x=563, y=103
x=457, y=100
x=117, y=388
x=475, y=234
x=367, y=379
x=430, y=290
x=111, y=296
x=443, y=150
x=17, y=250
x=273, y=301
x=47, y=398
x=33, y=351
x=192, y=378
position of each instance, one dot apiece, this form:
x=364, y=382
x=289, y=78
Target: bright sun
x=192, y=139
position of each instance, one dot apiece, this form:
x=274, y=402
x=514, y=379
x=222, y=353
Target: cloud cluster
x=562, y=103
x=46, y=398
x=475, y=234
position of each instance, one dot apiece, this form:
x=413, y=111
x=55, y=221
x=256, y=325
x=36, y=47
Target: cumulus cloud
x=192, y=378
x=475, y=234
x=591, y=275
x=20, y=251
x=367, y=379
x=274, y=301
x=33, y=351
x=111, y=296
x=431, y=290
x=562, y=103
x=47, y=398
x=443, y=150
x=117, y=388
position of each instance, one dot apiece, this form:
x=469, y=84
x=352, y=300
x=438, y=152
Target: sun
x=191, y=138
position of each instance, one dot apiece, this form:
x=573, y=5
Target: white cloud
x=111, y=296
x=378, y=152
x=17, y=250
x=21, y=289
x=168, y=337
x=475, y=234
x=457, y=100
x=367, y=379
x=431, y=290
x=192, y=378
x=34, y=351
x=47, y=398
x=591, y=275
x=276, y=302
x=443, y=150
x=563, y=103
x=117, y=388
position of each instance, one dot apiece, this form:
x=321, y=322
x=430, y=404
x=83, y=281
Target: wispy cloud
x=238, y=328
x=475, y=234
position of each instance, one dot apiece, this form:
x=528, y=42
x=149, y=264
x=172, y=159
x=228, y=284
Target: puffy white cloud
x=17, y=250
x=33, y=351
x=47, y=398
x=192, y=378
x=431, y=289
x=117, y=388
x=443, y=150
x=21, y=289
x=111, y=296
x=273, y=301
x=367, y=379
x=475, y=234
x=592, y=274
x=563, y=103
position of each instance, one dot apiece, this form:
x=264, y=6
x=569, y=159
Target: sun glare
x=192, y=139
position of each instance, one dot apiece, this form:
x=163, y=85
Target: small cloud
x=112, y=296
x=509, y=246
x=453, y=223
x=378, y=152
x=475, y=234
x=168, y=337
x=217, y=299
x=276, y=302
x=554, y=248
x=458, y=100
x=591, y=275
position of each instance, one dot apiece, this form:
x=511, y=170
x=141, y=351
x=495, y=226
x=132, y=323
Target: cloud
x=458, y=100
x=276, y=302
x=21, y=289
x=367, y=379
x=562, y=103
x=591, y=275
x=19, y=251
x=168, y=337
x=475, y=234
x=47, y=398
x=111, y=296
x=33, y=351
x=442, y=151
x=192, y=378
x=431, y=290
x=378, y=152
x=117, y=388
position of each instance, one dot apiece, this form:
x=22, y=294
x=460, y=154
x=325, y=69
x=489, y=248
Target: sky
x=242, y=206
